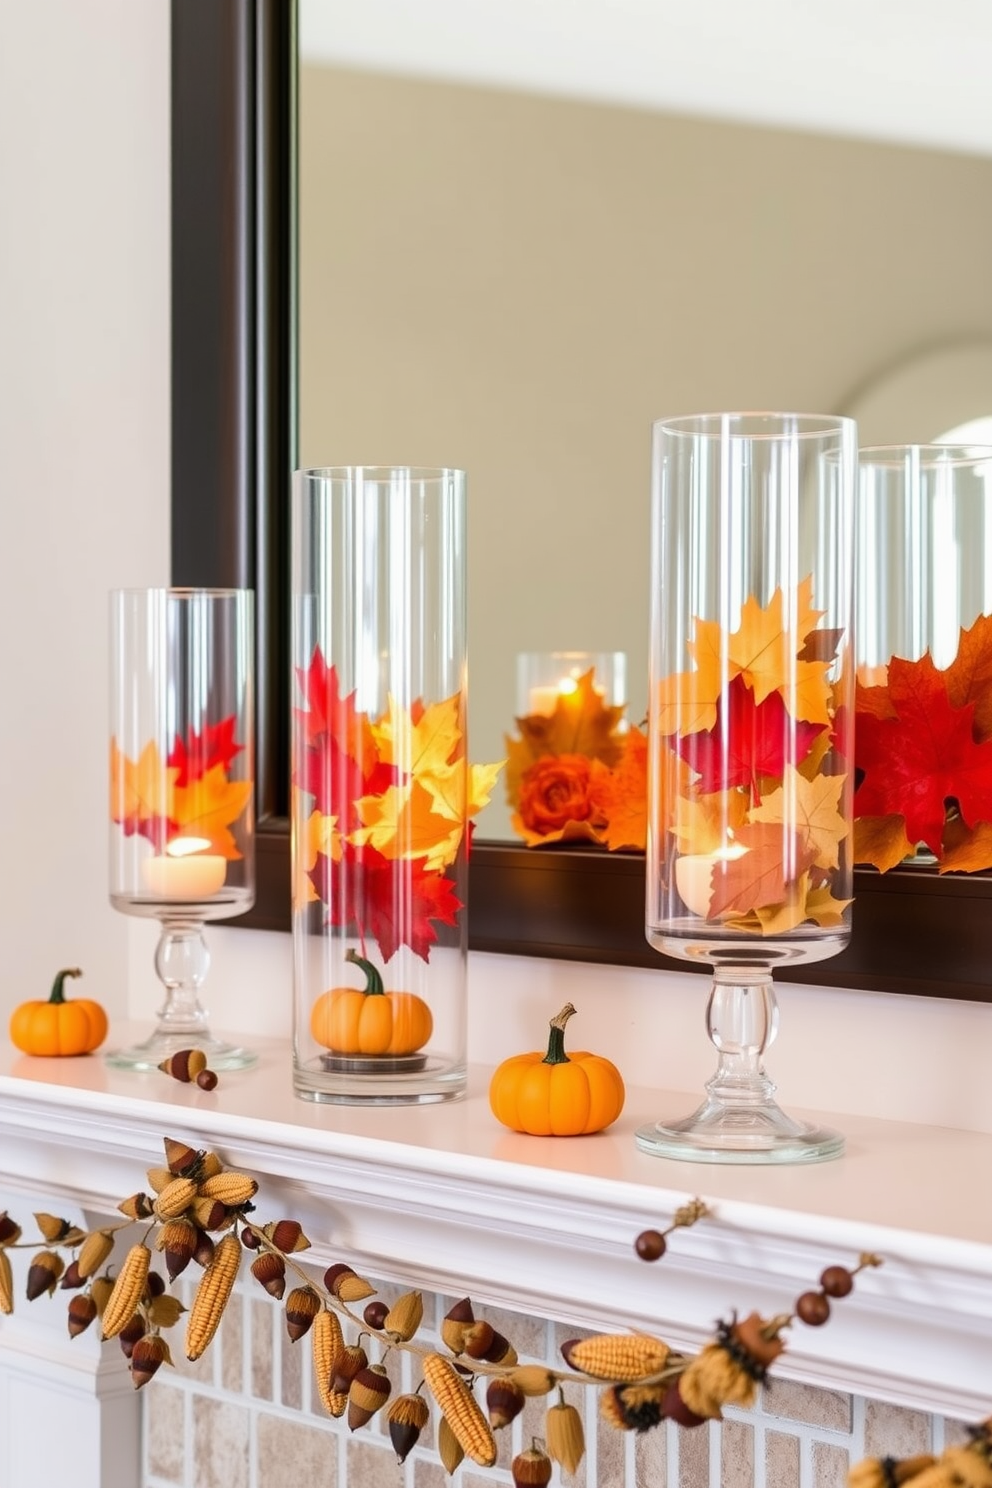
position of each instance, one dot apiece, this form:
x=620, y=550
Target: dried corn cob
x=123, y=1300
x=212, y=1294
x=232, y=1189
x=93, y=1252
x=175, y=1198
x=327, y=1341
x=6, y=1284
x=460, y=1409
x=564, y=1436
x=617, y=1356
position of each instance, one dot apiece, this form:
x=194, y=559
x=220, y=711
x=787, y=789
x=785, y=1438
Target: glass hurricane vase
x=750, y=766
x=181, y=784
x=380, y=783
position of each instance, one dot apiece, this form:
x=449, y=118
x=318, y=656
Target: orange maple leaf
x=141, y=789
x=758, y=878
x=621, y=795
x=968, y=679
x=208, y=808
x=881, y=841
x=966, y=849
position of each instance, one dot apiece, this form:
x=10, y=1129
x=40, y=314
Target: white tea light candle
x=184, y=871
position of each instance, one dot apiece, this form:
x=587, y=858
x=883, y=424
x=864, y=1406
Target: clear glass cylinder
x=924, y=652
x=749, y=864
x=379, y=784
x=182, y=770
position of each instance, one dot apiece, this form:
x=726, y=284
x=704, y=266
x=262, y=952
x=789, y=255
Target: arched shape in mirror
x=233, y=382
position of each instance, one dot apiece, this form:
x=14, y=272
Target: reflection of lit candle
x=694, y=876
x=544, y=700
x=185, y=871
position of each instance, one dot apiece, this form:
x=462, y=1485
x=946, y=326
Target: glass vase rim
x=894, y=456
x=182, y=591
x=379, y=473
x=712, y=425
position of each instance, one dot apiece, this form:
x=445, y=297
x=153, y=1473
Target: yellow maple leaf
x=822, y=907
x=581, y=723
x=812, y=807
x=422, y=747
x=141, y=789
x=704, y=824
x=320, y=835
x=401, y=823
x=779, y=919
x=481, y=783
x=209, y=806
x=966, y=849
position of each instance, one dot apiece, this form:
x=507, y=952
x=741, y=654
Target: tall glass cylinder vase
x=749, y=863
x=379, y=784
x=923, y=706
x=182, y=771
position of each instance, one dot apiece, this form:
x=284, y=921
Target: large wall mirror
x=502, y=271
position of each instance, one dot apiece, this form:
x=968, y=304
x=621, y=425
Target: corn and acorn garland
x=197, y=1212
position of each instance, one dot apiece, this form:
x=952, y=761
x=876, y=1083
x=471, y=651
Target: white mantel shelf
x=443, y=1197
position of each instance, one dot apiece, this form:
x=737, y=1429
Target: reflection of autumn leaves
x=751, y=771
x=390, y=801
x=924, y=759
x=575, y=775
x=188, y=794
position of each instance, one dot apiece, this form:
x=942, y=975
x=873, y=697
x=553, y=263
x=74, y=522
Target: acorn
x=100, y=1290
x=178, y=1240
x=82, y=1311
x=55, y=1230
x=184, y=1065
x=674, y=1408
x=204, y=1252
x=10, y=1232
x=44, y=1273
x=130, y=1333
x=302, y=1306
x=368, y=1393
x=211, y=1214
x=345, y=1284
x=270, y=1271
x=286, y=1235
x=407, y=1417
x=650, y=1245
x=154, y=1285
x=346, y=1365
x=456, y=1323
x=813, y=1308
x=531, y=1468
x=504, y=1401
x=207, y=1079
x=182, y=1160
x=71, y=1278
x=138, y=1206
x=148, y=1353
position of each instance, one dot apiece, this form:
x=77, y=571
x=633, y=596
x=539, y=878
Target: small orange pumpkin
x=58, y=1027
x=370, y=1020
x=556, y=1094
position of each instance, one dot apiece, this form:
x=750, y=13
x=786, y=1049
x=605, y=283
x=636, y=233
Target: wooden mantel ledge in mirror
x=233, y=448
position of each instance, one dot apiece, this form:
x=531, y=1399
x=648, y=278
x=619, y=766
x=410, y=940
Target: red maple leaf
x=749, y=740
x=393, y=901
x=198, y=753
x=337, y=779
x=914, y=763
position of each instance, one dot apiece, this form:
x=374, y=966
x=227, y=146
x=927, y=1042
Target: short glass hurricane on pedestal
x=181, y=783
x=751, y=754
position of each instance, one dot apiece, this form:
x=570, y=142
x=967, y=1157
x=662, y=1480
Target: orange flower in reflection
x=555, y=790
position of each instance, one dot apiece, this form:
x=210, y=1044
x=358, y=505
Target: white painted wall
x=84, y=450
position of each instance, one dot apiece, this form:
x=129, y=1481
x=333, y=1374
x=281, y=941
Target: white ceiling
x=914, y=71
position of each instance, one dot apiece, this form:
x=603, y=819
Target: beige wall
x=519, y=285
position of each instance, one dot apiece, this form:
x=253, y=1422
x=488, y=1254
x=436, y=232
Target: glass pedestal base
x=159, y=1046
x=719, y=1133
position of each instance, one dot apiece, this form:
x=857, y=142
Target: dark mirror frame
x=234, y=65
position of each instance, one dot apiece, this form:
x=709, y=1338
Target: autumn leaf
x=704, y=824
x=581, y=724
x=481, y=783
x=966, y=849
x=197, y=753
x=423, y=746
x=969, y=677
x=757, y=878
x=320, y=835
x=394, y=907
x=811, y=808
x=620, y=795
x=749, y=740
x=402, y=823
x=336, y=779
x=881, y=841
x=328, y=712
x=874, y=702
x=827, y=911
x=141, y=794
x=915, y=763
x=779, y=919
x=209, y=806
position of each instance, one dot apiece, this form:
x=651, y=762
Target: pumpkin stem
x=556, y=1038
x=57, y=993
x=373, y=981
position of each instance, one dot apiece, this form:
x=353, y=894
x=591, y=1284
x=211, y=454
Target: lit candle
x=184, y=871
x=694, y=876
x=544, y=700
